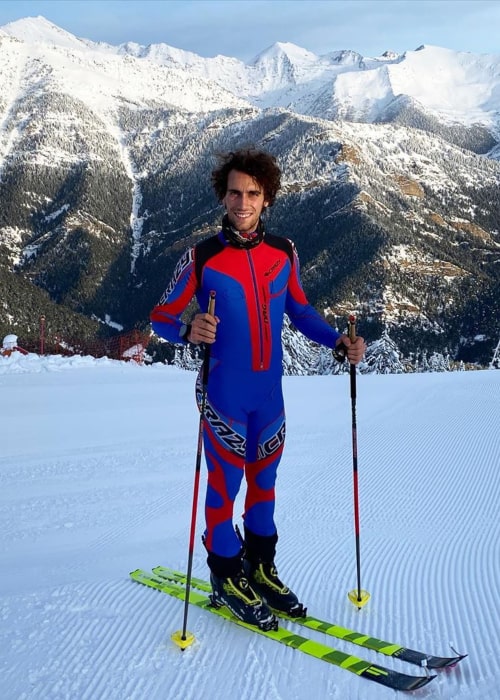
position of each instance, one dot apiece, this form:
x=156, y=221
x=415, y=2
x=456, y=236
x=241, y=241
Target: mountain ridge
x=459, y=72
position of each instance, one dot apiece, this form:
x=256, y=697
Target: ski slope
x=96, y=477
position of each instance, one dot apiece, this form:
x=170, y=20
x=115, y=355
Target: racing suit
x=244, y=427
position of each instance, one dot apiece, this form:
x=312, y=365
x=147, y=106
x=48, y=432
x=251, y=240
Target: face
x=244, y=201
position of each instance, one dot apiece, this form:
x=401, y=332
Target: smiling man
x=244, y=201
x=256, y=279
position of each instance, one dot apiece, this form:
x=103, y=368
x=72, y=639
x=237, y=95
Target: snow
x=100, y=78
x=455, y=86
x=35, y=30
x=96, y=473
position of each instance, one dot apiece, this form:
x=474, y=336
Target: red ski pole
x=183, y=638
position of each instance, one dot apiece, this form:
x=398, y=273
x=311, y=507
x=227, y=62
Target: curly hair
x=260, y=165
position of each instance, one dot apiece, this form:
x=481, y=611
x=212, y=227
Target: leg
x=225, y=445
x=224, y=442
x=265, y=443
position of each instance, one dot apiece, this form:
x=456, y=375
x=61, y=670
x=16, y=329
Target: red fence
x=126, y=346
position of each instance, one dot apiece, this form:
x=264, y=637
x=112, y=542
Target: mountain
x=390, y=180
x=465, y=90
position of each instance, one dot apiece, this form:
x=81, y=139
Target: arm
x=303, y=315
x=166, y=315
x=312, y=324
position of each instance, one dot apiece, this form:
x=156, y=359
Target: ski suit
x=244, y=429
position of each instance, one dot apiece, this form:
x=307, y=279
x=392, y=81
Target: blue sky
x=243, y=28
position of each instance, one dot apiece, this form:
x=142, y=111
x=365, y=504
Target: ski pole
x=183, y=638
x=358, y=597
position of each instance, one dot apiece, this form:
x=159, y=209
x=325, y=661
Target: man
x=256, y=279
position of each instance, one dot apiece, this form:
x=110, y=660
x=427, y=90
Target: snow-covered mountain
x=390, y=174
x=455, y=86
x=100, y=78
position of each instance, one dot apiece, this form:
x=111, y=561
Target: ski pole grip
x=206, y=357
x=211, y=303
x=352, y=328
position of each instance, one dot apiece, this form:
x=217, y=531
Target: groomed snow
x=96, y=477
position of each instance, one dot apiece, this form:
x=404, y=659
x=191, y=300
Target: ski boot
x=230, y=587
x=263, y=577
x=259, y=567
x=236, y=593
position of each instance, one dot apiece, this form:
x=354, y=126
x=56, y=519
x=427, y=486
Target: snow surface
x=96, y=475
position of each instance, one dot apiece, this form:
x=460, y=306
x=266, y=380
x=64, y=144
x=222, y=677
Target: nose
x=243, y=199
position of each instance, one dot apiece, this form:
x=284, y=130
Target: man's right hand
x=203, y=329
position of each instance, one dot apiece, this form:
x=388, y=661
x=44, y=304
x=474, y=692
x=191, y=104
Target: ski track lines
x=441, y=561
x=264, y=668
x=81, y=482
x=432, y=547
x=116, y=643
x=172, y=496
x=423, y=530
x=92, y=633
x=100, y=645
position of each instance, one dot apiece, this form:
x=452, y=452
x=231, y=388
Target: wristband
x=184, y=332
x=339, y=352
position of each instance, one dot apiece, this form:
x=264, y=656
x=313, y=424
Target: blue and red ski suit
x=244, y=428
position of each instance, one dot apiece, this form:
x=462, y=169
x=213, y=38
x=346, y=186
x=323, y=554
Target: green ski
x=354, y=664
x=389, y=649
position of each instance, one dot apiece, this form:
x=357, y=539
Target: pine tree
x=423, y=365
x=383, y=357
x=188, y=357
x=495, y=360
x=300, y=355
x=439, y=363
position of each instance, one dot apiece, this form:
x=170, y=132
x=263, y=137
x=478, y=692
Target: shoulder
x=208, y=245
x=204, y=250
x=281, y=243
x=207, y=248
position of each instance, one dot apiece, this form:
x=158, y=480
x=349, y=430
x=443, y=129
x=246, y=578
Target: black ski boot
x=259, y=567
x=232, y=589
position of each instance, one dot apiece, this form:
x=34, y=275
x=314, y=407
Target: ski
x=389, y=649
x=360, y=667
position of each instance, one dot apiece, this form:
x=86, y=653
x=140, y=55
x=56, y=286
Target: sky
x=243, y=29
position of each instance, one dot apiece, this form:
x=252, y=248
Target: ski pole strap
x=206, y=357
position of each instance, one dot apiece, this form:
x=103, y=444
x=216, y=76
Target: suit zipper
x=259, y=313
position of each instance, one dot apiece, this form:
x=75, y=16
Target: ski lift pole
x=358, y=596
x=183, y=638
